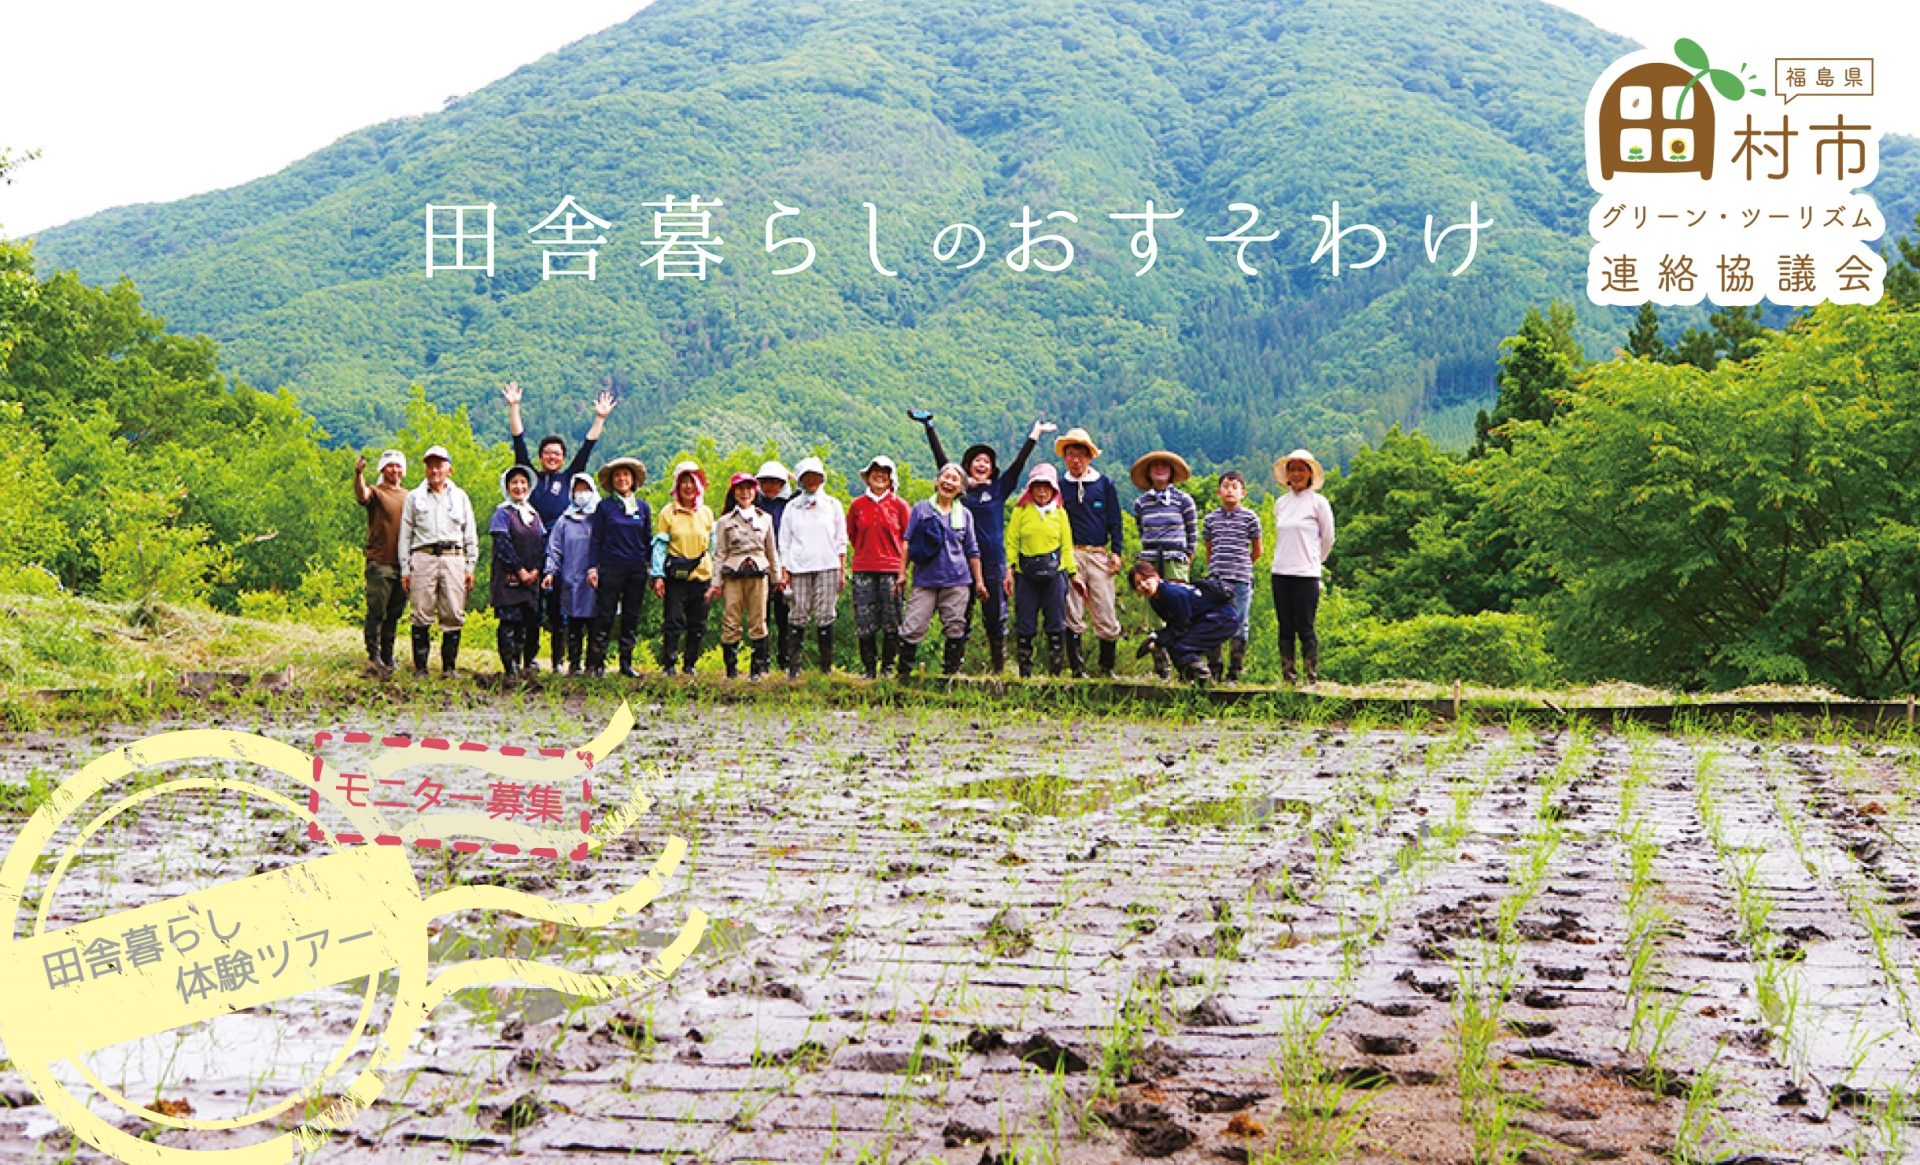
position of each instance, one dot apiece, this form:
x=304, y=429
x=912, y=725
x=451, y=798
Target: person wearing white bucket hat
x=776, y=490
x=386, y=598
x=1302, y=538
x=813, y=558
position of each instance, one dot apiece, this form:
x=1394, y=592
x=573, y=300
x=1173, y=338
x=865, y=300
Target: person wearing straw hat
x=1169, y=524
x=877, y=531
x=1099, y=534
x=552, y=492
x=988, y=491
x=438, y=547
x=519, y=555
x=569, y=545
x=683, y=567
x=776, y=490
x=386, y=599
x=746, y=557
x=813, y=558
x=619, y=561
x=1041, y=568
x=1302, y=538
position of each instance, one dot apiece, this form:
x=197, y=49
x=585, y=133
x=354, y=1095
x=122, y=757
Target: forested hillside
x=313, y=279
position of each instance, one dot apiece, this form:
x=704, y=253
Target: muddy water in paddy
x=939, y=938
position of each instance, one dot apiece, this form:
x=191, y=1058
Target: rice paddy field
x=945, y=934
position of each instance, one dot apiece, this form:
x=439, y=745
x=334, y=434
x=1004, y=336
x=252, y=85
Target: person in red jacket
x=877, y=534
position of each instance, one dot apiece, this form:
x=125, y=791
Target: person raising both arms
x=551, y=496
x=988, y=490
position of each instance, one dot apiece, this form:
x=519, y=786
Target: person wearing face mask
x=683, y=567
x=519, y=554
x=437, y=547
x=1041, y=568
x=1302, y=537
x=877, y=531
x=987, y=493
x=619, y=550
x=813, y=559
x=1099, y=534
x=569, y=546
x=386, y=600
x=945, y=553
x=552, y=478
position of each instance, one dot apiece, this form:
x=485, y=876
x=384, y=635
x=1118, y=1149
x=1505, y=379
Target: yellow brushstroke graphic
x=366, y=897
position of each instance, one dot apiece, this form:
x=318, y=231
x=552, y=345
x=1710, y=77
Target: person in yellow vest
x=1041, y=567
x=683, y=567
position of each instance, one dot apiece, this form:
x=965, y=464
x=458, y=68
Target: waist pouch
x=681, y=569
x=748, y=568
x=1040, y=565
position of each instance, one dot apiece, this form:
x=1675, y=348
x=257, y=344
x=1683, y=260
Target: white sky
x=143, y=101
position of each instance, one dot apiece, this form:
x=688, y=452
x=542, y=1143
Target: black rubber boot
x=1076, y=657
x=889, y=650
x=669, y=652
x=1162, y=663
x=449, y=651
x=1312, y=669
x=530, y=640
x=562, y=643
x=576, y=639
x=1287, y=675
x=1057, y=653
x=1023, y=655
x=1108, y=649
x=870, y=655
x=386, y=645
x=1236, y=660
x=691, y=654
x=507, y=638
x=730, y=653
x=906, y=653
x=1213, y=661
x=626, y=662
x=823, y=640
x=758, y=667
x=1198, y=672
x=996, y=653
x=422, y=644
x=956, y=651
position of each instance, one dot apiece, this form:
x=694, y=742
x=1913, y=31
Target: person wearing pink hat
x=682, y=567
x=744, y=551
x=1040, y=568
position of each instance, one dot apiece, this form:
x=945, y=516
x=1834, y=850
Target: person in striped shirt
x=1169, y=524
x=1232, y=537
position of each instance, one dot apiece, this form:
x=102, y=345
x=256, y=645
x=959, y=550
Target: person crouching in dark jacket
x=1199, y=617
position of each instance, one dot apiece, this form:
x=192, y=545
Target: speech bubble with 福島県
x=354, y=913
x=1795, y=77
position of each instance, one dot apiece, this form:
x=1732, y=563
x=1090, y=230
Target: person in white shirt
x=813, y=558
x=1302, y=537
x=437, y=548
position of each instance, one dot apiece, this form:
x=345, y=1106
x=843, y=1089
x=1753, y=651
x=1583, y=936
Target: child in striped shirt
x=1232, y=537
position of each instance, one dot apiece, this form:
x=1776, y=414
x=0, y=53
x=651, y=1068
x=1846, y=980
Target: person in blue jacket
x=568, y=546
x=1199, y=617
x=1093, y=510
x=619, y=561
x=552, y=484
x=988, y=490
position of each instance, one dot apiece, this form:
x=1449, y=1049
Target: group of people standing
x=576, y=553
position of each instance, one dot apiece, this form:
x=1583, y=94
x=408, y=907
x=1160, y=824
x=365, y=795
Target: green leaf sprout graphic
x=1728, y=83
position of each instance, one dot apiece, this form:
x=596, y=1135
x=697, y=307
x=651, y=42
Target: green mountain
x=966, y=111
